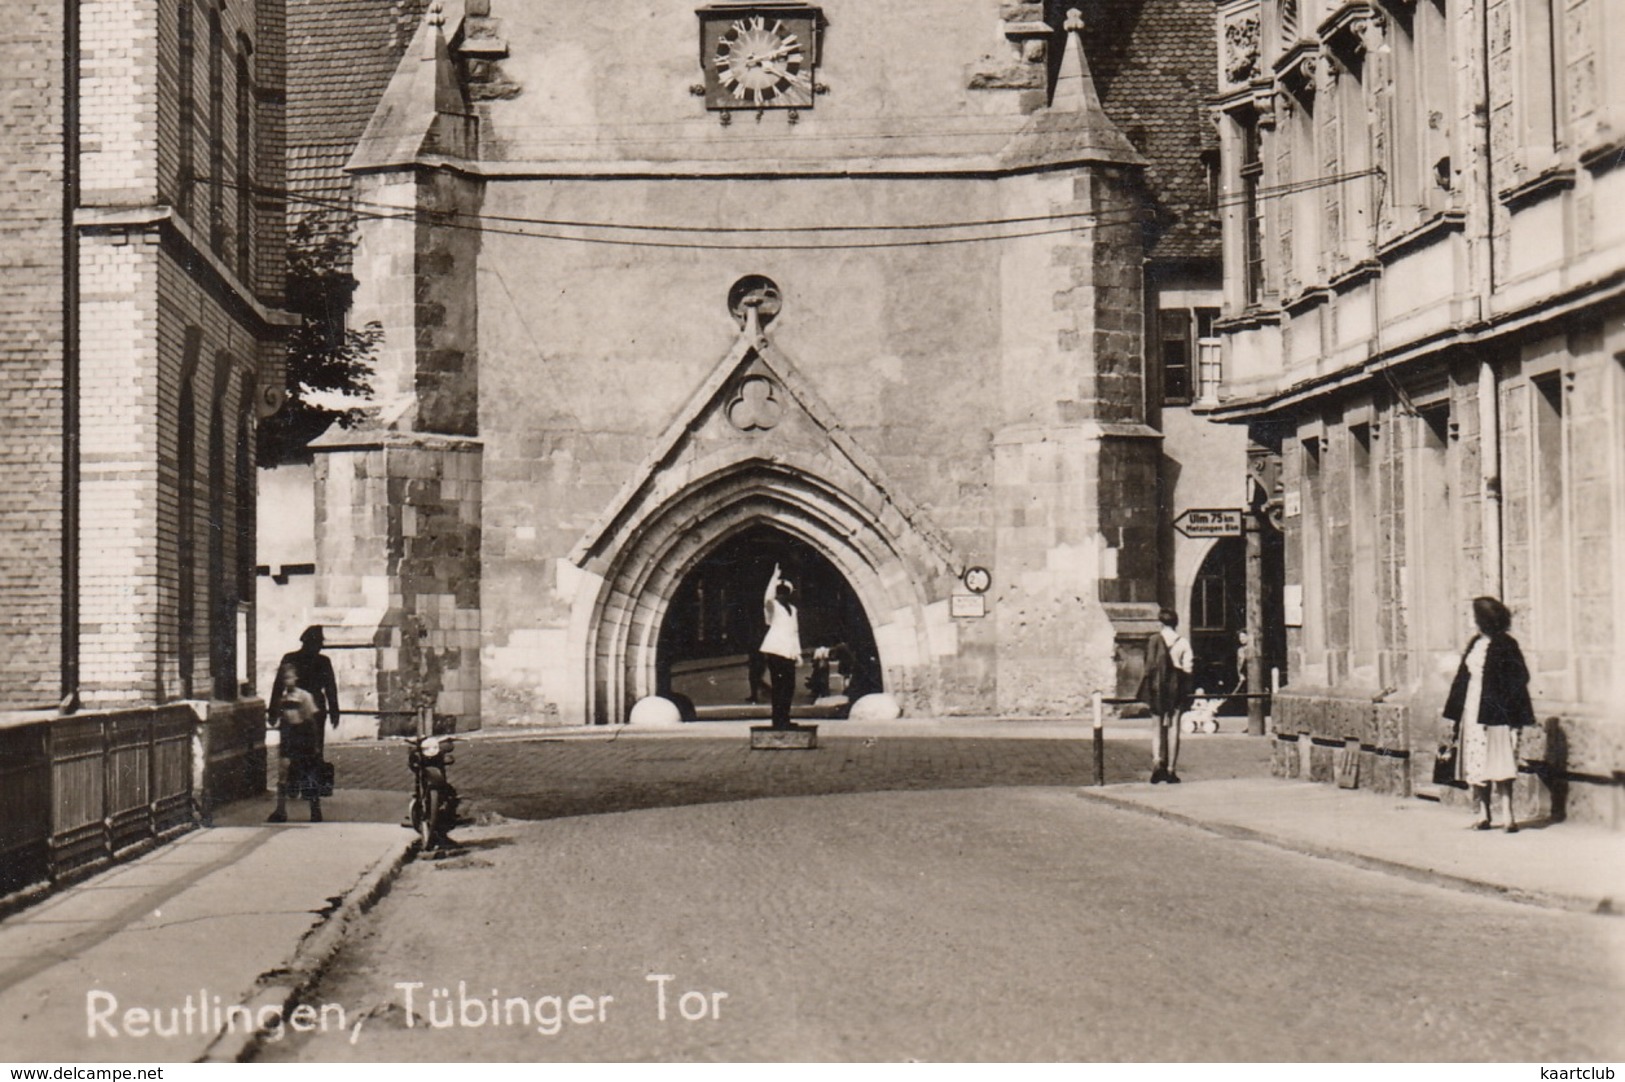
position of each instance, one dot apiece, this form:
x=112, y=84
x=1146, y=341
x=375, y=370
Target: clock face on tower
x=758, y=56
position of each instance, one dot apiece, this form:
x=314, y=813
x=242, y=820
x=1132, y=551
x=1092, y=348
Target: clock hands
x=779, y=73
x=788, y=47
x=751, y=60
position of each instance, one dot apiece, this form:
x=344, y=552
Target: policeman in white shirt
x=782, y=645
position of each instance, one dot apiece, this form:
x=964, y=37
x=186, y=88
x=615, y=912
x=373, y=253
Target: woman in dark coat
x=1489, y=700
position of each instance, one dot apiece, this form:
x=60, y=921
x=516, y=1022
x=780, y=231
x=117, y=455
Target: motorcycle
x=434, y=800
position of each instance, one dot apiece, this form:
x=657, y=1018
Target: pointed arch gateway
x=754, y=447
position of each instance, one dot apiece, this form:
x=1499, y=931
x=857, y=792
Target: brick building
x=671, y=296
x=142, y=265
x=1424, y=322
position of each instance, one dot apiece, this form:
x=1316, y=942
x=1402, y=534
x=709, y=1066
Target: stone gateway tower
x=673, y=296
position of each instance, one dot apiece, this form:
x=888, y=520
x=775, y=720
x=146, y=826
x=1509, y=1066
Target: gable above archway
x=756, y=414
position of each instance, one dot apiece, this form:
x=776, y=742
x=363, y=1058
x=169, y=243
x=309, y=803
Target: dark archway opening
x=715, y=623
x=1218, y=614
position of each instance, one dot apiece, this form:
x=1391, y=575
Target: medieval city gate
x=755, y=449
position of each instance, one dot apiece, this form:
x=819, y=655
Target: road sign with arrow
x=1202, y=522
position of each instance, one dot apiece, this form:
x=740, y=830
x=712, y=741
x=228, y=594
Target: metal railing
x=77, y=793
x=1100, y=700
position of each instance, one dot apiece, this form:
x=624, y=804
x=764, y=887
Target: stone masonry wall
x=398, y=542
x=588, y=352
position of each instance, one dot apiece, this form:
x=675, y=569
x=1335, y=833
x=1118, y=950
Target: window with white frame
x=1178, y=337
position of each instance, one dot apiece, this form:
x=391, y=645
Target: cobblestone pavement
x=543, y=778
x=992, y=924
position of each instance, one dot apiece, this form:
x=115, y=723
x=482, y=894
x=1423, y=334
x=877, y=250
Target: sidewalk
x=1563, y=865
x=223, y=916
x=245, y=913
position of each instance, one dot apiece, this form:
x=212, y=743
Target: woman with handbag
x=1489, y=706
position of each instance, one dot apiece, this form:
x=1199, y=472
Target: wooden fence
x=77, y=793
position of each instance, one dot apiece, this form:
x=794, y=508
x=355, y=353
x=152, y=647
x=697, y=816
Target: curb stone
x=1432, y=876
x=283, y=987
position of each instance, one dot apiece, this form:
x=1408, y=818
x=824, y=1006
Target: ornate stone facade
x=1423, y=315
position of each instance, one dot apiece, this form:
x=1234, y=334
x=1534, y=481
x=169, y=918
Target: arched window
x=245, y=157
x=222, y=605
x=186, y=527
x=217, y=120
x=244, y=522
x=187, y=92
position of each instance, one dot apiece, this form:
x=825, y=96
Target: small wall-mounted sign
x=1291, y=503
x=1202, y=522
x=977, y=579
x=1292, y=605
x=967, y=606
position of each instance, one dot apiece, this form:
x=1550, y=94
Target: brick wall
x=31, y=102
x=119, y=102
x=164, y=312
x=119, y=468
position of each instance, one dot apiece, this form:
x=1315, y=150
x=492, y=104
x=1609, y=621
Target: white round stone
x=655, y=711
x=876, y=707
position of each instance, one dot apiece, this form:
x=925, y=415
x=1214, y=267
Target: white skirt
x=1488, y=753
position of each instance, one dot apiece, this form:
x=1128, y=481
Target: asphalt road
x=545, y=778
x=1010, y=923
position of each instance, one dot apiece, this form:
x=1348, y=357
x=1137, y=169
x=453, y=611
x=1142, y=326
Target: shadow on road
x=551, y=779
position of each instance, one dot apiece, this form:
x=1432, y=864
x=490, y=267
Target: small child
x=298, y=751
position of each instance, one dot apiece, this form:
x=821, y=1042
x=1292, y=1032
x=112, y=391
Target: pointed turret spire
x=423, y=111
x=1074, y=128
x=1075, y=86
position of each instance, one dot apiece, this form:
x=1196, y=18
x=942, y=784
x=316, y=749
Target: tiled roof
x=1155, y=64
x=341, y=54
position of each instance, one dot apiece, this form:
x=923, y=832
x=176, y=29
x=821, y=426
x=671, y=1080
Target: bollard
x=1100, y=740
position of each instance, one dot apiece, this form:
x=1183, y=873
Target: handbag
x=1444, y=766
x=1444, y=763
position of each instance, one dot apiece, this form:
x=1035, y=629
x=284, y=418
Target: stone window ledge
x=1436, y=226
x=1311, y=297
x=1538, y=186
x=1250, y=319
x=1604, y=156
x=1358, y=274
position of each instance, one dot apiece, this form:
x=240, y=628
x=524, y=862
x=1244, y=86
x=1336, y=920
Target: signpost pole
x=1100, y=738
x=1254, y=534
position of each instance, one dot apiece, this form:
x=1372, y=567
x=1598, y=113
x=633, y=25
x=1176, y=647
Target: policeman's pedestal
x=793, y=738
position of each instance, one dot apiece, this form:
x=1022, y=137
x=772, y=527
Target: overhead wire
x=537, y=228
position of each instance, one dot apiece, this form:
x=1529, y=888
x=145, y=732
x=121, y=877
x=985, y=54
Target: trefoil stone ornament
x=755, y=407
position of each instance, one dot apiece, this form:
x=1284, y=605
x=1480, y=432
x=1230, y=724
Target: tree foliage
x=328, y=361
